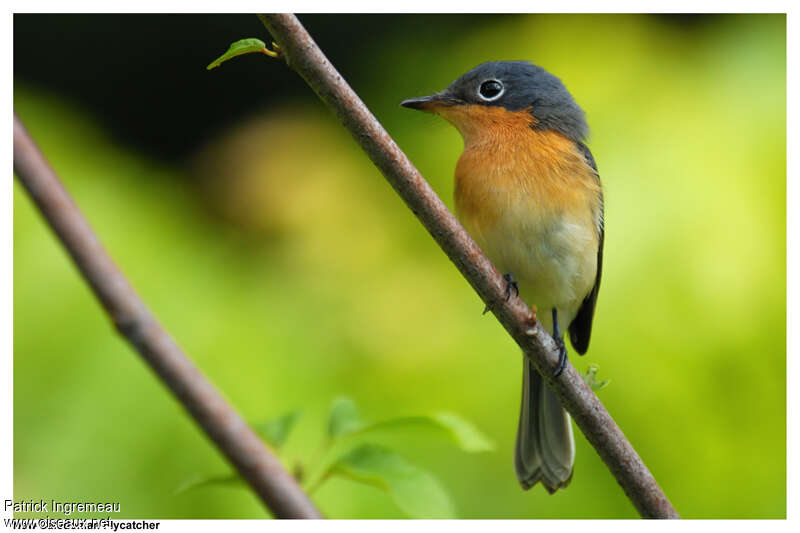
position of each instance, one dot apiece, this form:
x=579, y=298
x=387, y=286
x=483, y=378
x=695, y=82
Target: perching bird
x=528, y=191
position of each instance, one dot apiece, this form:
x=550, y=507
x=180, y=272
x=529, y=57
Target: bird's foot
x=511, y=285
x=562, y=356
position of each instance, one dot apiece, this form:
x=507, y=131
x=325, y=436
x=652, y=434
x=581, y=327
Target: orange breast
x=506, y=163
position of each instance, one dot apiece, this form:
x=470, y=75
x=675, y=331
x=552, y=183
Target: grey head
x=515, y=85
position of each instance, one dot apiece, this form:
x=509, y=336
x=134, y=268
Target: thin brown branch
x=304, y=56
x=254, y=462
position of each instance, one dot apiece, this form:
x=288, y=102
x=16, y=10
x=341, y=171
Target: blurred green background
x=288, y=269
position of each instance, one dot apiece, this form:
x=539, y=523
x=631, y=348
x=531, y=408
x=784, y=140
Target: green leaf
x=227, y=480
x=244, y=46
x=344, y=417
x=277, y=430
x=466, y=435
x=463, y=432
x=590, y=377
x=415, y=491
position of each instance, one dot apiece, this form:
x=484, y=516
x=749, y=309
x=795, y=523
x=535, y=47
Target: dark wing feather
x=581, y=327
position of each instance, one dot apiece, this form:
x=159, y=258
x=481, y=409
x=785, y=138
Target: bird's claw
x=562, y=357
x=511, y=285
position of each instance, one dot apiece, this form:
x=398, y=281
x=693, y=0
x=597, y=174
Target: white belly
x=554, y=260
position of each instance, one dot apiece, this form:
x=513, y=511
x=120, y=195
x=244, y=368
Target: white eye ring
x=496, y=96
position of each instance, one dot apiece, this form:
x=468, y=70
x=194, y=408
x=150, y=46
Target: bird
x=528, y=191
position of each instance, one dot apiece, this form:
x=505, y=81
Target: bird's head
x=502, y=94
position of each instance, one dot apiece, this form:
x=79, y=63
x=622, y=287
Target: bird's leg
x=562, y=348
x=511, y=285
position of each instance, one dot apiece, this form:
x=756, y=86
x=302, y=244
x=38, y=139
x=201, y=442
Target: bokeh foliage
x=292, y=273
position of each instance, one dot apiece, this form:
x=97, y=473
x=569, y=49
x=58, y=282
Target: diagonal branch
x=255, y=463
x=304, y=56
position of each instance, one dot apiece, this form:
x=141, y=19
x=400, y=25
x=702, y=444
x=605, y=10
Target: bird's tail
x=545, y=445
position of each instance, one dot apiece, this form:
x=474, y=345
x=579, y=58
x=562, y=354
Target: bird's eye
x=491, y=90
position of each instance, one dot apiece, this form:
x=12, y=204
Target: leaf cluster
x=350, y=451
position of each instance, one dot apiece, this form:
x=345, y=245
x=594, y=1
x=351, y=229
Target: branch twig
x=304, y=56
x=255, y=463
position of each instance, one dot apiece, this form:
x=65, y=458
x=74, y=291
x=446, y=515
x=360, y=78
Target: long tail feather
x=545, y=445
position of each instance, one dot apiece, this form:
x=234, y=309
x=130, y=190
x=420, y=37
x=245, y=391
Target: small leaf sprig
x=246, y=46
x=590, y=378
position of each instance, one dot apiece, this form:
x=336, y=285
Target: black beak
x=428, y=103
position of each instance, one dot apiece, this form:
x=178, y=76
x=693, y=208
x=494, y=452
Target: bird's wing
x=581, y=327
